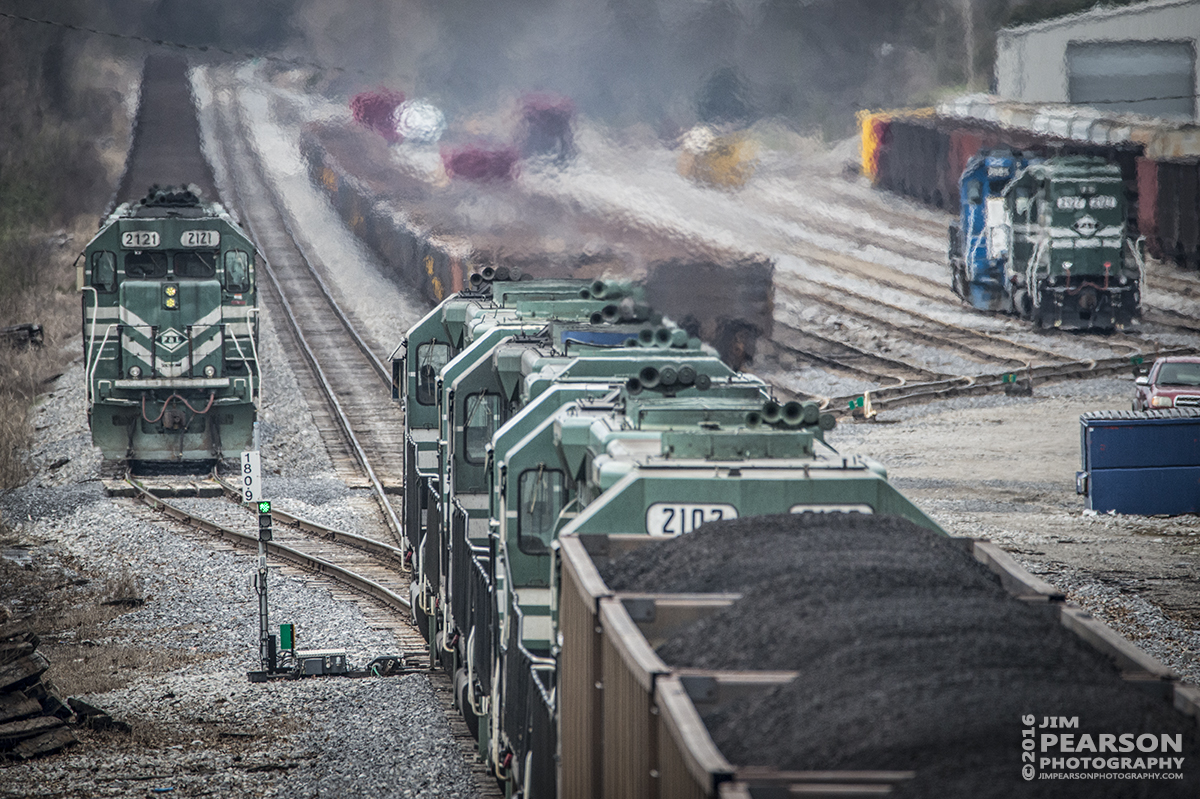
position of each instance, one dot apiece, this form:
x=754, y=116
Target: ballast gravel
x=199, y=727
x=909, y=653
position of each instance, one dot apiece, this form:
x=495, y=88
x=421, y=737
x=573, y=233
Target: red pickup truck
x=1171, y=383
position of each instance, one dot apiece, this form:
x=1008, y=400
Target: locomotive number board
x=139, y=239
x=200, y=238
x=671, y=518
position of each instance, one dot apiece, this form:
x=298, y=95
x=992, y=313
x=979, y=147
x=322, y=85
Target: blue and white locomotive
x=977, y=255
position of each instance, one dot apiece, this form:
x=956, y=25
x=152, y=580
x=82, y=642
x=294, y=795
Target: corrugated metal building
x=1139, y=58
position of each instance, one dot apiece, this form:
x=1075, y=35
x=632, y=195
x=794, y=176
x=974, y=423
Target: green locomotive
x=170, y=334
x=541, y=408
x=1072, y=262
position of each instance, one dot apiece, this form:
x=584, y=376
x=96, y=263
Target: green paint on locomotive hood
x=173, y=350
x=1073, y=209
x=747, y=488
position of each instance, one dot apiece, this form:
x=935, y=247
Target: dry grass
x=70, y=615
x=45, y=296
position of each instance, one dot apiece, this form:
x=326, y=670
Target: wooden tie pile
x=33, y=719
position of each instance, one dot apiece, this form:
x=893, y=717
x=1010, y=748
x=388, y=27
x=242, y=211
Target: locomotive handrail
x=1138, y=259
x=250, y=374
x=91, y=372
x=87, y=366
x=254, y=352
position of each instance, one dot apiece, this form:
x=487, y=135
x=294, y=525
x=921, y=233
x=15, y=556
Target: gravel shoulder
x=174, y=667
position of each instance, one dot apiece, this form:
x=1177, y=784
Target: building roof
x=1095, y=15
x=1161, y=138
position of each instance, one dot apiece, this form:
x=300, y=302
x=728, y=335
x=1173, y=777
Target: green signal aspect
x=264, y=506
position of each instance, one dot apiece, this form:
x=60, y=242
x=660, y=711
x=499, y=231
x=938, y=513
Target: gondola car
x=170, y=333
x=554, y=425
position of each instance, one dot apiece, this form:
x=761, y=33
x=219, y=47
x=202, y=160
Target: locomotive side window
x=104, y=271
x=145, y=264
x=540, y=494
x=482, y=417
x=431, y=358
x=974, y=192
x=237, y=271
x=195, y=264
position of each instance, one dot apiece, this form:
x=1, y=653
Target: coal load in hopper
x=909, y=653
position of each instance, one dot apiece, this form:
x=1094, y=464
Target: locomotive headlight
x=135, y=372
x=170, y=296
x=209, y=371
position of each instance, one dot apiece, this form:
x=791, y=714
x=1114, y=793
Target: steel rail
x=296, y=557
x=837, y=363
x=934, y=339
x=339, y=412
x=369, y=545
x=982, y=384
x=285, y=218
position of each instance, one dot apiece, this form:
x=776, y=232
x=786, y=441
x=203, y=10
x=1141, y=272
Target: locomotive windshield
x=146, y=263
x=195, y=264
x=482, y=419
x=237, y=271
x=540, y=494
x=104, y=270
x=431, y=358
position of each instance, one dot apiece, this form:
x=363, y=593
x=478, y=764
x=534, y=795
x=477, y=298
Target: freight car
x=436, y=231
x=1047, y=240
x=552, y=425
x=170, y=333
x=922, y=152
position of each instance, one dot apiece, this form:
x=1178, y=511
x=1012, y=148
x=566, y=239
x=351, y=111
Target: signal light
x=264, y=520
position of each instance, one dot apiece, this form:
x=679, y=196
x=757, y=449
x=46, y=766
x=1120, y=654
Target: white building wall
x=1031, y=60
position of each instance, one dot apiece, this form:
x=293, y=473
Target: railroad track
x=911, y=394
x=343, y=378
x=847, y=358
x=978, y=345
x=347, y=388
x=367, y=567
x=367, y=571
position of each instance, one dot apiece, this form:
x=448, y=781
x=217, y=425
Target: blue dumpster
x=1141, y=462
